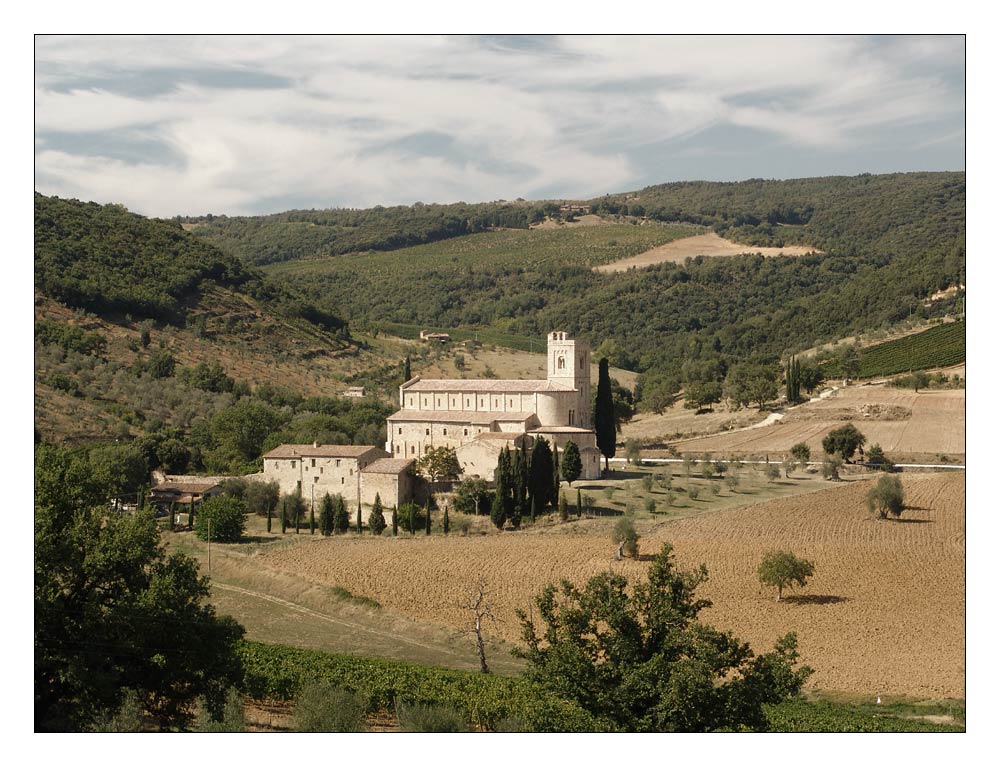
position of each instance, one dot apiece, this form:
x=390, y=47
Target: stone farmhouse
x=353, y=471
x=478, y=417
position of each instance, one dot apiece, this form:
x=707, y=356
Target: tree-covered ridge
x=889, y=242
x=106, y=260
x=309, y=233
x=844, y=213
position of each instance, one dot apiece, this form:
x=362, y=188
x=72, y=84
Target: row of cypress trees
x=527, y=484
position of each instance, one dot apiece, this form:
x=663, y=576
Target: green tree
x=638, y=659
x=810, y=376
x=831, y=467
x=886, y=497
x=604, y=414
x=751, y=382
x=321, y=707
x=376, y=520
x=228, y=518
x=519, y=487
x=326, y=512
x=395, y=521
x=341, y=522
x=540, y=475
x=312, y=518
x=579, y=504
x=121, y=468
x=358, y=525
x=439, y=464
x=472, y=496
x=114, y=612
x=427, y=517
x=877, y=459
x=625, y=537
x=161, y=364
x=844, y=441
x=563, y=508
x=800, y=452
x=699, y=395
x=572, y=465
x=445, y=523
x=659, y=392
x=262, y=497
x=782, y=569
x=407, y=373
x=268, y=518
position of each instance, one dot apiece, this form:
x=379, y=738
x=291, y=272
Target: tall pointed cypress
x=579, y=504
x=326, y=514
x=445, y=524
x=407, y=374
x=555, y=472
x=427, y=517
x=359, y=516
x=604, y=413
x=268, y=517
x=376, y=520
x=312, y=518
x=395, y=522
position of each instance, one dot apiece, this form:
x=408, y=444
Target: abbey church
x=479, y=417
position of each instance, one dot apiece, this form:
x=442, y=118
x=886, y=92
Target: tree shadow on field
x=911, y=521
x=814, y=599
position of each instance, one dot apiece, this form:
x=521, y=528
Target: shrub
x=716, y=488
x=647, y=483
x=886, y=497
x=732, y=481
x=411, y=517
x=232, y=716
x=877, y=459
x=430, y=717
x=625, y=536
x=772, y=472
x=127, y=718
x=322, y=707
x=650, y=505
x=693, y=493
x=632, y=454
x=228, y=517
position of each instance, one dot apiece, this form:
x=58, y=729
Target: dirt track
x=709, y=244
x=883, y=615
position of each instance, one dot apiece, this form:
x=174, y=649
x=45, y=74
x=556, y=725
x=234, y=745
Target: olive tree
x=783, y=569
x=886, y=497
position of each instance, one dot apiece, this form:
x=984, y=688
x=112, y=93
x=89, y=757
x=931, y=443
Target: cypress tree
x=555, y=473
x=359, y=516
x=519, y=487
x=173, y=515
x=268, y=517
x=376, y=520
x=340, y=520
x=413, y=519
x=395, y=522
x=312, y=518
x=604, y=413
x=563, y=507
x=579, y=504
x=427, y=517
x=445, y=524
x=284, y=514
x=498, y=514
x=572, y=465
x=540, y=483
x=191, y=514
x=326, y=515
x=407, y=374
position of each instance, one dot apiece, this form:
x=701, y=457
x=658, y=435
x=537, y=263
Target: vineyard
x=488, y=702
x=937, y=347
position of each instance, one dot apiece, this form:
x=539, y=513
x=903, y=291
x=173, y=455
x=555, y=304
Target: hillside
x=888, y=243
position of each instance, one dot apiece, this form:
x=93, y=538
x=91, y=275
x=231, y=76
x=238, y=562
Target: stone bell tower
x=569, y=365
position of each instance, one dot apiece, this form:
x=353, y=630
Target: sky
x=189, y=125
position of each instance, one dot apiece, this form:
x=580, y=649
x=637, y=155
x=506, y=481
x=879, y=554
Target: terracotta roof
x=189, y=487
x=322, y=451
x=387, y=466
x=482, y=417
x=484, y=385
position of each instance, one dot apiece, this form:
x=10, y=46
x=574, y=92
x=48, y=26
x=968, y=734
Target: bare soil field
x=910, y=426
x=884, y=613
x=709, y=244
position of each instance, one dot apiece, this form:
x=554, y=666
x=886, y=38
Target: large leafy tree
x=227, y=517
x=113, y=612
x=844, y=441
x=782, y=569
x=639, y=660
x=604, y=413
x=439, y=464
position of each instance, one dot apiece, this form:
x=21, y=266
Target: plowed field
x=884, y=613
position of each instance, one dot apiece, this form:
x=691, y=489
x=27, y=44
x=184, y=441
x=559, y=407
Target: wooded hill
x=888, y=243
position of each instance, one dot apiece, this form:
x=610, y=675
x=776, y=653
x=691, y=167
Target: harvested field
x=709, y=244
x=883, y=615
x=935, y=424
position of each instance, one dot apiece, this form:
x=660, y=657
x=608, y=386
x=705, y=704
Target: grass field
x=709, y=244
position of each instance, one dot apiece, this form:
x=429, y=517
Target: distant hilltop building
x=479, y=417
x=355, y=391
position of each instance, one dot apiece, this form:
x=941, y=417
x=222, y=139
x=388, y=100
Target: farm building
x=183, y=490
x=457, y=413
x=352, y=471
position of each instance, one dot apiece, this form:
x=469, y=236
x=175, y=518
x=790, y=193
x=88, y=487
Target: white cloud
x=328, y=119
